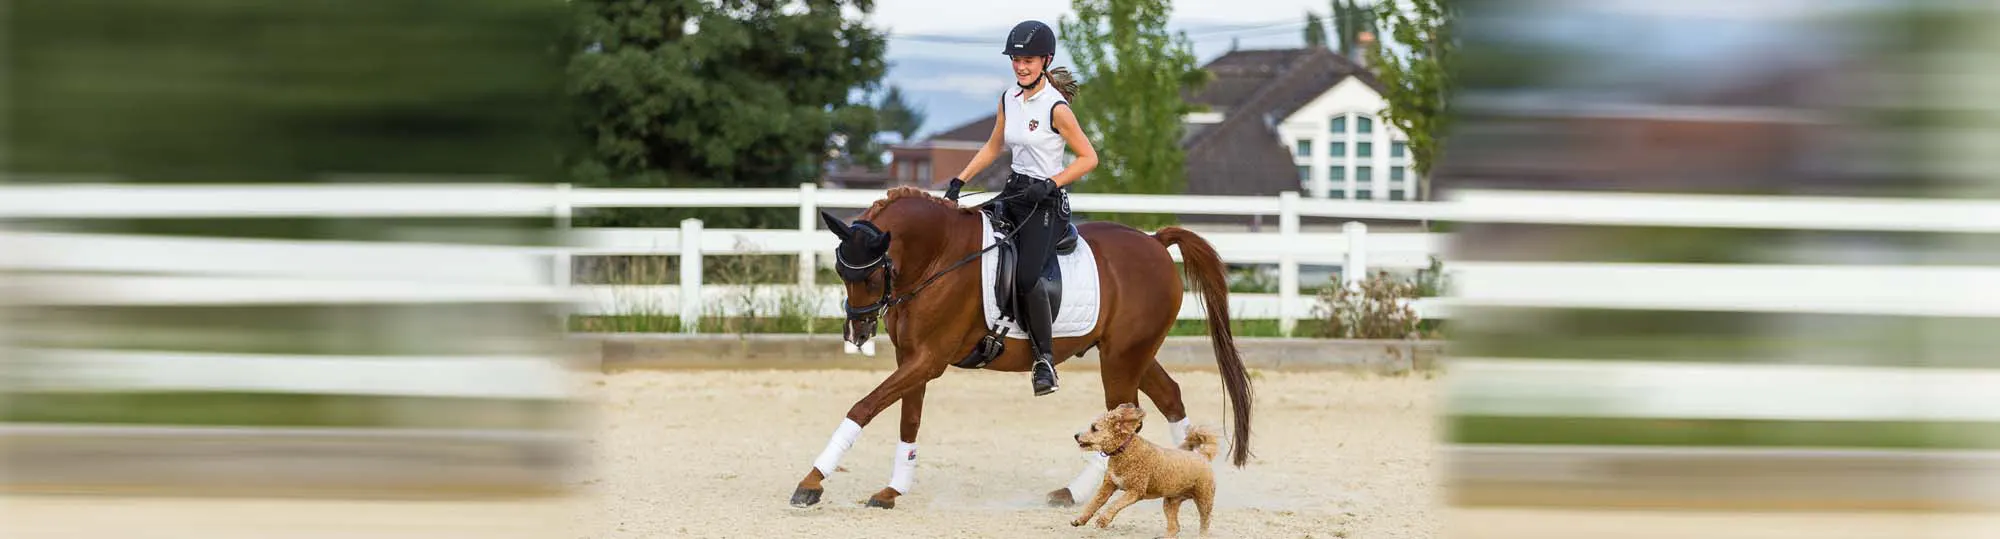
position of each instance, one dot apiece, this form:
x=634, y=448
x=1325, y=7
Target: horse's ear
x=833, y=224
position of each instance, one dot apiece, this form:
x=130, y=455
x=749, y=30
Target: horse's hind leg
x=1166, y=395
x=1123, y=364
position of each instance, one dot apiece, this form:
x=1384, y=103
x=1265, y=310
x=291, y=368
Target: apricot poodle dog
x=1145, y=471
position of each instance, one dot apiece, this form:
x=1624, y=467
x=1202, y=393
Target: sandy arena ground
x=717, y=454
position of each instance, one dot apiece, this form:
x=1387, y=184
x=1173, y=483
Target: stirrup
x=1054, y=381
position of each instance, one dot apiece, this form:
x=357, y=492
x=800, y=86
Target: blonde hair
x=1063, y=81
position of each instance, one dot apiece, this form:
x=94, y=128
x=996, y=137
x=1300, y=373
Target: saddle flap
x=1003, y=282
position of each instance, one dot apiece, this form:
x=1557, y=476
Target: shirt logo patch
x=1032, y=124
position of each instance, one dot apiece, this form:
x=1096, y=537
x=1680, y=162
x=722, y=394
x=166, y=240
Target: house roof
x=1257, y=89
x=974, y=131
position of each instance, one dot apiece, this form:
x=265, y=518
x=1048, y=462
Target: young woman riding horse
x=903, y=265
x=1034, y=123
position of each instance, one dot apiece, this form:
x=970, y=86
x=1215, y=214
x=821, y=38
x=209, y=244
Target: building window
x=1361, y=193
x=1337, y=149
x=1398, y=149
x=1339, y=125
x=1305, y=177
x=1395, y=174
x=1364, y=150
x=1305, y=148
x=1364, y=175
x=1364, y=125
x=1395, y=194
x=924, y=172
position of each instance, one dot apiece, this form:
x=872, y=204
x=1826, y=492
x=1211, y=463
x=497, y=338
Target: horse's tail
x=1205, y=271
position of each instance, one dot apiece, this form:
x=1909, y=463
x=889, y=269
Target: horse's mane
x=910, y=192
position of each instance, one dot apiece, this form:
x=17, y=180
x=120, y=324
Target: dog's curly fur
x=1145, y=471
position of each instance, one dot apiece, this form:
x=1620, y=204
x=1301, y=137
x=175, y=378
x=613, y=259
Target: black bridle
x=869, y=313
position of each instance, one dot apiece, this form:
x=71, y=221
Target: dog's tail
x=1204, y=440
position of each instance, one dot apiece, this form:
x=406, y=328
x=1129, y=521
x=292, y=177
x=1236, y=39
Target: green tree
x=242, y=91
x=1134, y=73
x=1349, y=21
x=694, y=93
x=1315, y=30
x=1417, y=82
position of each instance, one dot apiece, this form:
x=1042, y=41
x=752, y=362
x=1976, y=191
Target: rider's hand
x=952, y=192
x=1038, y=191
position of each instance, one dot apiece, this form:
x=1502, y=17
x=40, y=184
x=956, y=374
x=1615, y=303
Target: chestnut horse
x=912, y=259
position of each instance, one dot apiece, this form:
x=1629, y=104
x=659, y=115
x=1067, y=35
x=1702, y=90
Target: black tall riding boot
x=1037, y=319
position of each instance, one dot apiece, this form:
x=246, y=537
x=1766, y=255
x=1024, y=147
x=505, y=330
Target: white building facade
x=1344, y=150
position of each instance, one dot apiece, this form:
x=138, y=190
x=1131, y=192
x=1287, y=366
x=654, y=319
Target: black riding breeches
x=1038, y=224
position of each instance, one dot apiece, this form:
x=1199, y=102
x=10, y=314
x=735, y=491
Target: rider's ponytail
x=1063, y=81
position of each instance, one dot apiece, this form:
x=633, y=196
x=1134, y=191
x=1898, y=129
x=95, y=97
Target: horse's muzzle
x=856, y=332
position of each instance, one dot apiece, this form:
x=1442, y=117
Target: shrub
x=1379, y=308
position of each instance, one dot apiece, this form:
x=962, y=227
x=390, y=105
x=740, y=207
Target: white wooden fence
x=90, y=269
x=1355, y=249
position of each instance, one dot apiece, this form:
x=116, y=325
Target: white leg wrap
x=843, y=438
x=1085, y=485
x=905, y=470
x=1180, y=429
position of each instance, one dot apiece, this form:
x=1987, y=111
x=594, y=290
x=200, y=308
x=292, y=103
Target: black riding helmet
x=1031, y=38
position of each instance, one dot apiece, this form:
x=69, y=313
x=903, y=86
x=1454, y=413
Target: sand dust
x=717, y=454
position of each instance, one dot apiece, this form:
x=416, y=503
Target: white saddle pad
x=1078, y=314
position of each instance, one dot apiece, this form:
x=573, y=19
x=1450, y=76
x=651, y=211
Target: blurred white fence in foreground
x=151, y=270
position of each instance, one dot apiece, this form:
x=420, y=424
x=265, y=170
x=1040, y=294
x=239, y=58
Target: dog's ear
x=834, y=225
x=1127, y=425
x=1129, y=417
x=1129, y=410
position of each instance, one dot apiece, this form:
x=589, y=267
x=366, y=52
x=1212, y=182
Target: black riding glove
x=1038, y=191
x=952, y=192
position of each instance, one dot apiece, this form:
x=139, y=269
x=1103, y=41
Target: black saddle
x=1003, y=282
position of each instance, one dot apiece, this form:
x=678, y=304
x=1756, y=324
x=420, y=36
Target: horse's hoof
x=804, y=497
x=885, y=504
x=1061, y=498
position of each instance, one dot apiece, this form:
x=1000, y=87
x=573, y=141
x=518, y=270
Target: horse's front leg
x=909, y=375
x=904, y=469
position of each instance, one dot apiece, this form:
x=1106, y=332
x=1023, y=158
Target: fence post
x=690, y=275
x=808, y=225
x=1356, y=268
x=562, y=264
x=1288, y=262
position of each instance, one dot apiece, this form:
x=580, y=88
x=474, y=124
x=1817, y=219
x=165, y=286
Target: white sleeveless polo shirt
x=1037, y=148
